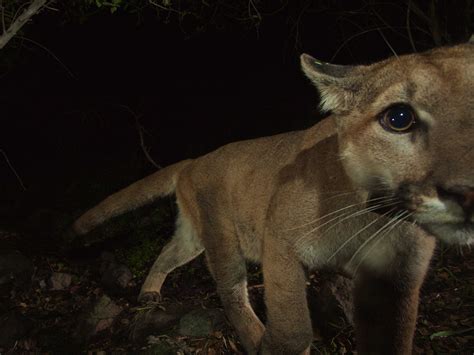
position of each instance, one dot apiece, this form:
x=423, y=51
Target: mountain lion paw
x=149, y=297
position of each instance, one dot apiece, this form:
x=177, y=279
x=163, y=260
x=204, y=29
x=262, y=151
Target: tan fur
x=300, y=200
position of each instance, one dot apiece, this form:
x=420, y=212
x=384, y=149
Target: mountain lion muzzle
x=366, y=191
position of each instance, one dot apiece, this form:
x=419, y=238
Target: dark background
x=69, y=98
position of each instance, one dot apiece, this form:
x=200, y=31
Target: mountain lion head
x=406, y=128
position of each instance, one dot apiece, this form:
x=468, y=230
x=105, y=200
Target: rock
x=60, y=281
x=115, y=277
x=107, y=257
x=154, y=321
x=159, y=346
x=101, y=315
x=201, y=322
x=332, y=306
x=15, y=268
x=13, y=327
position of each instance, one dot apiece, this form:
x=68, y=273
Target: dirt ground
x=49, y=318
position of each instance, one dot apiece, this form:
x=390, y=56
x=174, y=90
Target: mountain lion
x=365, y=192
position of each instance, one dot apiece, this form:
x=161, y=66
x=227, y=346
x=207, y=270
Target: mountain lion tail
x=140, y=193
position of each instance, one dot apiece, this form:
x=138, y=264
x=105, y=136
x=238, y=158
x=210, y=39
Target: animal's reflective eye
x=398, y=118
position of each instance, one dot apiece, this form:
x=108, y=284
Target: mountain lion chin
x=452, y=233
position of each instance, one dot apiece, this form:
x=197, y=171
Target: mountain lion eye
x=398, y=118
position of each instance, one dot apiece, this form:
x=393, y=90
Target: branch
x=3, y=16
x=410, y=35
x=141, y=131
x=71, y=74
x=419, y=12
x=14, y=27
x=12, y=169
x=165, y=8
x=435, y=25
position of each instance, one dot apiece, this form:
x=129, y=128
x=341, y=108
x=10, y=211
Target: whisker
x=345, y=217
x=355, y=235
x=379, y=199
x=363, y=211
x=372, y=237
x=355, y=192
x=337, y=192
x=398, y=221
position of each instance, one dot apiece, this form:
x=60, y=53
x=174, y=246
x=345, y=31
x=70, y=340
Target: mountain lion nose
x=463, y=195
x=469, y=199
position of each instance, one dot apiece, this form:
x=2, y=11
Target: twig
x=142, y=143
x=296, y=25
x=434, y=24
x=349, y=39
x=18, y=11
x=352, y=37
x=48, y=6
x=388, y=43
x=419, y=12
x=251, y=5
x=4, y=28
x=50, y=53
x=141, y=131
x=257, y=15
x=381, y=33
x=408, y=27
x=165, y=8
x=13, y=29
x=13, y=169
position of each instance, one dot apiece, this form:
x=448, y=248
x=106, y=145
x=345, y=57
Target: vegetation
x=439, y=22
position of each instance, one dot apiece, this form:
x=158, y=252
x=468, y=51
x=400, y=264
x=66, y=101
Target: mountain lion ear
x=336, y=84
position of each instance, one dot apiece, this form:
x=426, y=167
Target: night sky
x=192, y=93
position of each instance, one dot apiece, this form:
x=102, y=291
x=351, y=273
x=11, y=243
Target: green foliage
x=149, y=230
x=113, y=5
x=110, y=5
x=82, y=10
x=448, y=333
x=161, y=348
x=140, y=257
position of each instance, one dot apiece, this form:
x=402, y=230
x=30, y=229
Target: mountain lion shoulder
x=366, y=191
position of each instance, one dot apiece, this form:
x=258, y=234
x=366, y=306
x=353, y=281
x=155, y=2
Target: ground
x=53, y=320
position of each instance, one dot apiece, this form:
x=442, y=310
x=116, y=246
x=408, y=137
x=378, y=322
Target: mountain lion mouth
x=441, y=226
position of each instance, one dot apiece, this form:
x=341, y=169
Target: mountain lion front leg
x=228, y=267
x=288, y=327
x=386, y=306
